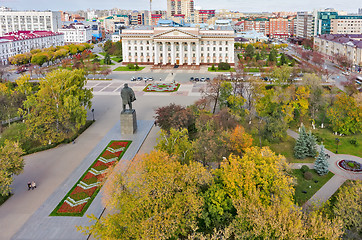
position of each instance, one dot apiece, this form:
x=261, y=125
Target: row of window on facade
x=193, y=48
x=194, y=61
x=178, y=55
x=202, y=42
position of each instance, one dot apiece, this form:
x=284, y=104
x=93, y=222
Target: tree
x=225, y=92
x=321, y=163
x=212, y=92
x=107, y=45
x=348, y=207
x=345, y=115
x=301, y=149
x=317, y=58
x=176, y=144
x=59, y=108
x=11, y=163
x=249, y=51
x=107, y=59
x=300, y=101
x=273, y=55
x=223, y=66
x=39, y=58
x=283, y=60
x=157, y=198
x=282, y=74
x=237, y=141
x=174, y=116
x=311, y=145
x=105, y=72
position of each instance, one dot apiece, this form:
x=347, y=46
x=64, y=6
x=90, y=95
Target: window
x=226, y=48
x=202, y=48
x=220, y=48
x=214, y=48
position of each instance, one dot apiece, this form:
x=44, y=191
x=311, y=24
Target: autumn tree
x=345, y=115
x=11, y=163
x=282, y=74
x=212, y=92
x=174, y=116
x=59, y=108
x=249, y=51
x=39, y=58
x=157, y=198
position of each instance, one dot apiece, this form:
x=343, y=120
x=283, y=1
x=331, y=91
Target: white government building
x=178, y=45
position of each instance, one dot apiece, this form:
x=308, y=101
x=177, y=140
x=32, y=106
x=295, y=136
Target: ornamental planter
x=162, y=87
x=79, y=198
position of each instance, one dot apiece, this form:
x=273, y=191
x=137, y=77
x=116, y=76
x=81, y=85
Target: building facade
x=12, y=21
x=181, y=7
x=178, y=46
x=349, y=45
x=304, y=25
x=346, y=25
x=76, y=33
x=21, y=42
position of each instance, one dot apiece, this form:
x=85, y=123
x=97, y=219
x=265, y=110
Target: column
x=173, y=55
x=224, y=53
x=188, y=53
x=231, y=52
x=181, y=53
x=125, y=51
x=164, y=54
x=133, y=52
x=156, y=58
x=217, y=52
x=197, y=53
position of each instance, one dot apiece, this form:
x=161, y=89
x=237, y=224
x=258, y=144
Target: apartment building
x=76, y=33
x=346, y=25
x=178, y=45
x=349, y=45
x=20, y=42
x=304, y=25
x=203, y=16
x=181, y=7
x=12, y=21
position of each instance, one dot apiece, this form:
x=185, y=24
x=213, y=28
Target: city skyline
x=235, y=5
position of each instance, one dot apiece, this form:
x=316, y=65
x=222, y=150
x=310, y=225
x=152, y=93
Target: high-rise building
x=181, y=7
x=12, y=21
x=359, y=11
x=349, y=24
x=305, y=25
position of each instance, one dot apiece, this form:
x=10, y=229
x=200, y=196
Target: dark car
x=207, y=79
x=192, y=79
x=139, y=79
x=196, y=79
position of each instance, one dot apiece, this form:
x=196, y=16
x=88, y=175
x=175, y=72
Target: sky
x=237, y=5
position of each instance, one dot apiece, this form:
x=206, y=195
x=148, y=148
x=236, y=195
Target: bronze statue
x=127, y=96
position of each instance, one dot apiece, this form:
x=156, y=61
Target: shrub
x=90, y=180
x=130, y=66
x=308, y=175
x=213, y=67
x=304, y=169
x=354, y=142
x=136, y=66
x=351, y=164
x=223, y=66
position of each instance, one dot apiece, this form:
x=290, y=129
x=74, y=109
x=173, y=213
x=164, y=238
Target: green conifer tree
x=321, y=163
x=300, y=149
x=311, y=145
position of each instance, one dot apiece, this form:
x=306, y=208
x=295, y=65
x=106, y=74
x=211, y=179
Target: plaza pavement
x=340, y=175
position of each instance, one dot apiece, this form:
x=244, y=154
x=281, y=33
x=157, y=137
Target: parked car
x=150, y=79
x=345, y=73
x=202, y=79
x=139, y=79
x=207, y=79
x=196, y=79
x=192, y=79
x=133, y=79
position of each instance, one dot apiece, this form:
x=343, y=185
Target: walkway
x=341, y=175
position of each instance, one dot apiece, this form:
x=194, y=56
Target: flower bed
x=350, y=165
x=162, y=87
x=79, y=198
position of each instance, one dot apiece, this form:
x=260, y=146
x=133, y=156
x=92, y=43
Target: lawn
x=103, y=54
x=310, y=186
x=344, y=147
x=216, y=70
x=102, y=62
x=286, y=149
x=4, y=198
x=116, y=59
x=127, y=69
x=251, y=70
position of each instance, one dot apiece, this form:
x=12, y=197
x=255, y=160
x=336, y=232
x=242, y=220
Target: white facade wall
x=176, y=46
x=79, y=34
x=10, y=48
x=346, y=26
x=12, y=21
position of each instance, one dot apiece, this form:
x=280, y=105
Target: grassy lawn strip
x=102, y=62
x=344, y=147
x=216, y=70
x=303, y=185
x=86, y=206
x=79, y=196
x=127, y=69
x=251, y=70
x=286, y=149
x=4, y=198
x=116, y=59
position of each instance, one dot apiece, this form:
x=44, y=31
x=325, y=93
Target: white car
x=346, y=73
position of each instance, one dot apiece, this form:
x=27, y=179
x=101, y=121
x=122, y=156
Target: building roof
x=353, y=40
x=23, y=35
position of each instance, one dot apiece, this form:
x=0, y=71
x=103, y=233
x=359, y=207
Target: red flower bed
x=98, y=163
x=89, y=192
x=66, y=208
x=118, y=144
x=89, y=175
x=108, y=155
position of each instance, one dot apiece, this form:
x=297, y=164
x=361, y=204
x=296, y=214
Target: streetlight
x=337, y=141
x=93, y=113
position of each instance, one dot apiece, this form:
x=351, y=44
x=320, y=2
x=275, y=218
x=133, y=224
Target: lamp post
x=93, y=113
x=337, y=141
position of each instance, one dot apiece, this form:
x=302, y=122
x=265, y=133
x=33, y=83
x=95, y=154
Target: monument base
x=128, y=121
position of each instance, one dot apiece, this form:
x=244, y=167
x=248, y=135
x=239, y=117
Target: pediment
x=175, y=33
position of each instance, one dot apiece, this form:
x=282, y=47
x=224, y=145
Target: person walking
x=29, y=186
x=33, y=185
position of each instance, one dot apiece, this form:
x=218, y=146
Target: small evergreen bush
x=304, y=169
x=308, y=176
x=321, y=163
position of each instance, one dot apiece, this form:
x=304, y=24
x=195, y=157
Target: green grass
x=116, y=59
x=286, y=148
x=55, y=211
x=303, y=185
x=344, y=147
x=103, y=54
x=127, y=69
x=251, y=69
x=4, y=198
x=216, y=70
x=102, y=62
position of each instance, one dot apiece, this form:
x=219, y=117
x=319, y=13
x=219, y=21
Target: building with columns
x=178, y=45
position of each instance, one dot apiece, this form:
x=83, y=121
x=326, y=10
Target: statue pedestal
x=128, y=121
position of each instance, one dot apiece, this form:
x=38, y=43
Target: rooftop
x=23, y=35
x=349, y=39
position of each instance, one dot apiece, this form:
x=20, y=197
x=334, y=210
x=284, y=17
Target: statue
x=127, y=96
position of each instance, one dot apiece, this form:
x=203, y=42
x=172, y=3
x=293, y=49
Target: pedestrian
x=160, y=79
x=29, y=186
x=33, y=185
